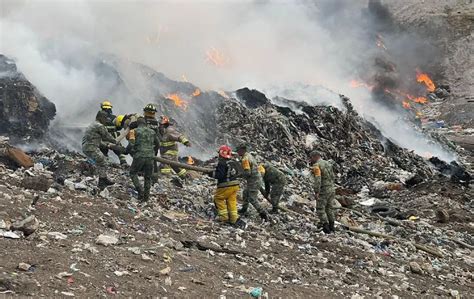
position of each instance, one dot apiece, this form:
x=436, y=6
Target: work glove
x=187, y=143
x=118, y=148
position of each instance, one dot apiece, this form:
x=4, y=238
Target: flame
x=406, y=105
x=425, y=79
x=190, y=160
x=420, y=100
x=356, y=84
x=177, y=100
x=197, y=92
x=216, y=57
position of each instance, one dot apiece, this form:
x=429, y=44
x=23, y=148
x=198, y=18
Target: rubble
x=24, y=112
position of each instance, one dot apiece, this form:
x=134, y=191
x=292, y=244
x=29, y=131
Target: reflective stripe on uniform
x=167, y=143
x=182, y=172
x=171, y=153
x=165, y=170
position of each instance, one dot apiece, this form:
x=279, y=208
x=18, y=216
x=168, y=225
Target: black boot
x=274, y=210
x=326, y=228
x=177, y=182
x=243, y=211
x=240, y=224
x=331, y=226
x=104, y=182
x=264, y=216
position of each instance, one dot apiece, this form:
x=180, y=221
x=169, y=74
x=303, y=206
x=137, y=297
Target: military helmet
x=314, y=154
x=241, y=146
x=150, y=108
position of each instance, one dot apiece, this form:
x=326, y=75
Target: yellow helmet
x=118, y=120
x=106, y=105
x=261, y=169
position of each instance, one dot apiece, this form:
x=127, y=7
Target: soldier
x=274, y=181
x=169, y=139
x=225, y=197
x=95, y=137
x=254, y=182
x=150, y=117
x=143, y=152
x=106, y=106
x=324, y=190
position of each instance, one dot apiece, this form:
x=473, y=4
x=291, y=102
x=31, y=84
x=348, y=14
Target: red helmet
x=225, y=151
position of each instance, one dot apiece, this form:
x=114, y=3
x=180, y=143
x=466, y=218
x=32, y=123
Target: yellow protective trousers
x=225, y=200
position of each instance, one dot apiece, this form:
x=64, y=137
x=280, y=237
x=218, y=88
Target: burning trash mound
x=362, y=155
x=24, y=113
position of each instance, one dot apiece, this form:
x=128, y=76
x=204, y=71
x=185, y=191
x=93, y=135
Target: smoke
x=219, y=45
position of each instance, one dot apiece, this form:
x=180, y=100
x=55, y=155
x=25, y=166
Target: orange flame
x=406, y=105
x=420, y=100
x=425, y=79
x=197, y=92
x=216, y=57
x=190, y=160
x=177, y=100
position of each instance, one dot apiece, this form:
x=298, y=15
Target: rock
x=4, y=224
x=24, y=266
x=165, y=271
x=106, y=240
x=28, y=225
x=146, y=257
x=454, y=293
x=9, y=235
x=229, y=275
x=57, y=235
x=121, y=273
x=326, y=272
x=39, y=182
x=67, y=294
x=168, y=281
x=415, y=268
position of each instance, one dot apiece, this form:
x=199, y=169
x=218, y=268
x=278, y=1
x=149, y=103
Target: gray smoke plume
x=70, y=53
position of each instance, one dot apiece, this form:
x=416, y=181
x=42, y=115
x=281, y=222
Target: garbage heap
x=24, y=112
x=285, y=135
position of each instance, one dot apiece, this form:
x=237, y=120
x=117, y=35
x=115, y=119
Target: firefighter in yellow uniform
x=169, y=138
x=225, y=197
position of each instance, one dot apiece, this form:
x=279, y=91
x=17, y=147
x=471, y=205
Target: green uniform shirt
x=273, y=175
x=323, y=176
x=250, y=169
x=95, y=136
x=145, y=142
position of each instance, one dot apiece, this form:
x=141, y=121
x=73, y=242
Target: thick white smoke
x=56, y=44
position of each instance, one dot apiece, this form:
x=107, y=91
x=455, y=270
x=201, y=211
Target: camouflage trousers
x=122, y=157
x=325, y=206
x=250, y=196
x=144, y=165
x=100, y=161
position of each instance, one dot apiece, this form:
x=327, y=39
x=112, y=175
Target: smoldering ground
x=79, y=52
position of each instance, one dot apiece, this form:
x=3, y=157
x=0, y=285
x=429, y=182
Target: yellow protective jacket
x=169, y=138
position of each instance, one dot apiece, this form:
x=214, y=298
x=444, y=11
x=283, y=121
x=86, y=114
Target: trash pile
x=66, y=238
x=24, y=112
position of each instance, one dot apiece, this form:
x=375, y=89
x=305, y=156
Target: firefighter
x=274, y=182
x=127, y=123
x=95, y=138
x=324, y=190
x=225, y=197
x=106, y=106
x=169, y=138
x=254, y=181
x=143, y=152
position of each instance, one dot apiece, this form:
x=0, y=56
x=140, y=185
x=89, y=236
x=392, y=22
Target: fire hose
x=182, y=165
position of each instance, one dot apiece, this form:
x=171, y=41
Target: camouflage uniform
x=153, y=124
x=113, y=130
x=97, y=136
x=324, y=186
x=169, y=139
x=143, y=153
x=274, y=181
x=254, y=182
